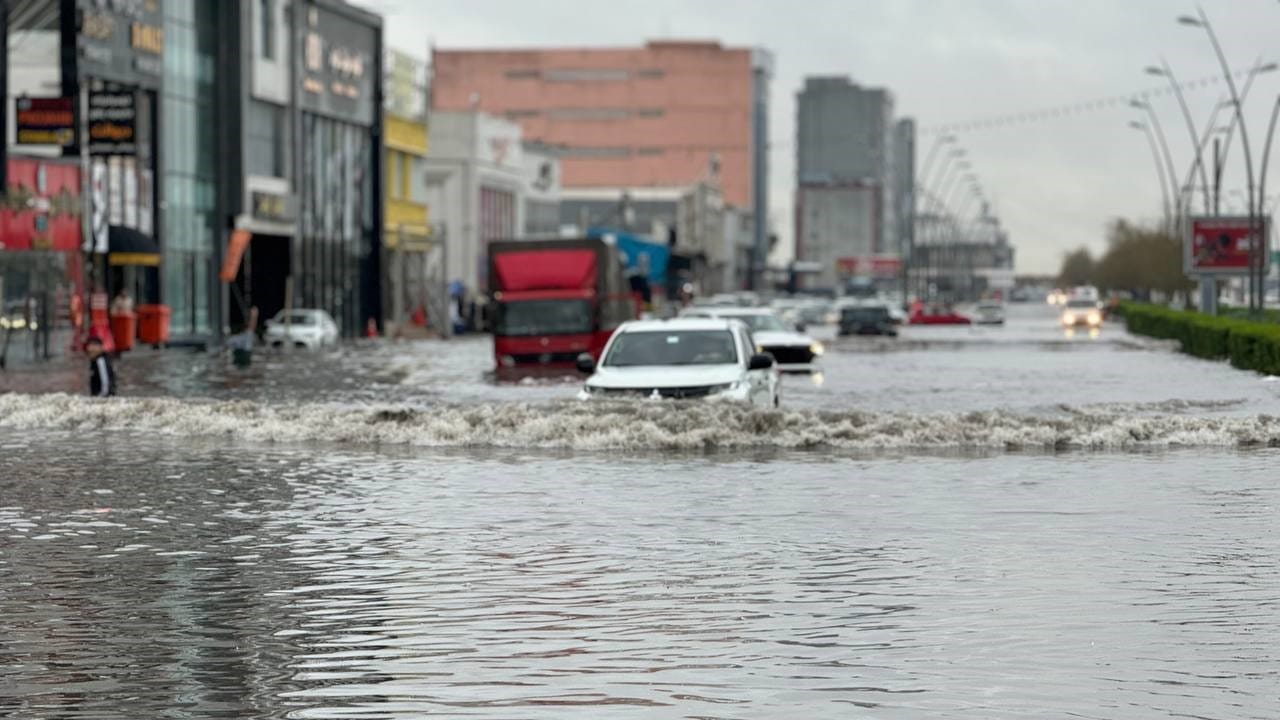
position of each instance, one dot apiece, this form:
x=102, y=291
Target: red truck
x=555, y=299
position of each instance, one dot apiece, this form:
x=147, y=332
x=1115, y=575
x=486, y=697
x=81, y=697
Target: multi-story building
x=635, y=129
x=848, y=179
x=412, y=259
x=221, y=139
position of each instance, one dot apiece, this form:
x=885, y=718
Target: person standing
x=102, y=377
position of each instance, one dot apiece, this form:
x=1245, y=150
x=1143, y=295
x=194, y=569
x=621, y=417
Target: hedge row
x=1248, y=345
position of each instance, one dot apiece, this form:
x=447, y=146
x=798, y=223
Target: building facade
x=848, y=180
x=413, y=258
x=635, y=129
x=237, y=140
x=307, y=207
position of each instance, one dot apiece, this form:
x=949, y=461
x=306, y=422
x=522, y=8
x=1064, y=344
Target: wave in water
x=642, y=425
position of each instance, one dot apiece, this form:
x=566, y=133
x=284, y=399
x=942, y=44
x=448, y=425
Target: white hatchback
x=682, y=359
x=309, y=329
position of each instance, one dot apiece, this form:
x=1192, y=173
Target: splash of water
x=641, y=425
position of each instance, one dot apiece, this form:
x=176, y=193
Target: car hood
x=664, y=376
x=766, y=338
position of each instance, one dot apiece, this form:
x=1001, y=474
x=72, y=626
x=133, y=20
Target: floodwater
x=990, y=523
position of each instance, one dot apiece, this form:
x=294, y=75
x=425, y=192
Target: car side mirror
x=800, y=327
x=760, y=361
x=585, y=363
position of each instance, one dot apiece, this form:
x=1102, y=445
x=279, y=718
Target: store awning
x=126, y=246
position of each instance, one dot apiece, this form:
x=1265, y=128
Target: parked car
x=302, y=328
x=989, y=312
x=683, y=359
x=867, y=319
x=794, y=351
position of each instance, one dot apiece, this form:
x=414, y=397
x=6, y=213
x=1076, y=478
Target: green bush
x=1248, y=345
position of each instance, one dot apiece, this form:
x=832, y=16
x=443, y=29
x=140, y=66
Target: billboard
x=45, y=121
x=339, y=65
x=1222, y=245
x=40, y=209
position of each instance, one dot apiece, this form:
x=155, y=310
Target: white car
x=684, y=358
x=309, y=329
x=792, y=350
x=989, y=312
x=1080, y=311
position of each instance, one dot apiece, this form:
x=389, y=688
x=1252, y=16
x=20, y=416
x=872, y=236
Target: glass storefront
x=189, y=165
x=337, y=223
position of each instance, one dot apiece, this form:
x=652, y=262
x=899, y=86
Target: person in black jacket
x=102, y=377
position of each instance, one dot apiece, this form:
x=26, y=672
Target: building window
x=587, y=152
x=651, y=112
x=586, y=75
x=267, y=26
x=515, y=114
x=651, y=73
x=522, y=74
x=602, y=113
x=265, y=140
x=649, y=151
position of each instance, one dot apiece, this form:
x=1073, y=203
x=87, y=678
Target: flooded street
x=990, y=523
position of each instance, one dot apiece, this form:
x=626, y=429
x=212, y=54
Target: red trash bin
x=124, y=327
x=153, y=324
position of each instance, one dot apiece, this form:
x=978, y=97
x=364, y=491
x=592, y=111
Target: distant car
x=867, y=319
x=793, y=350
x=937, y=315
x=304, y=328
x=1081, y=311
x=989, y=312
x=683, y=359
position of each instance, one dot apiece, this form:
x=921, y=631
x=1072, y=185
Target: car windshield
x=543, y=317
x=757, y=322
x=865, y=314
x=296, y=318
x=673, y=347
x=1078, y=304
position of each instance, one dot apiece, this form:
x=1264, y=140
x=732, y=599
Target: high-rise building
x=635, y=129
x=848, y=180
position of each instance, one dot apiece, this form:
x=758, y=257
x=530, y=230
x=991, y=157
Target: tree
x=1077, y=268
x=1141, y=260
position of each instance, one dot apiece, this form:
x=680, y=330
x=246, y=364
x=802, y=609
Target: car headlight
x=1095, y=318
x=1069, y=318
x=817, y=349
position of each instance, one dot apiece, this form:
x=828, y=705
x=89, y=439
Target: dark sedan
x=867, y=320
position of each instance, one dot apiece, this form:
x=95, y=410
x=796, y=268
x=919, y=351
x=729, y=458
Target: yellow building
x=414, y=297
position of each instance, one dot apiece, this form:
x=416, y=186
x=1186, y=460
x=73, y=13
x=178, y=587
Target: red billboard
x=40, y=210
x=876, y=266
x=1222, y=245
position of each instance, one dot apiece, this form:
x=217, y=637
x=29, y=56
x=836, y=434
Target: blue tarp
x=639, y=252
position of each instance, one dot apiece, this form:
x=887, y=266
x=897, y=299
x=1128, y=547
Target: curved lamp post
x=1255, y=252
x=1198, y=163
x=1160, y=171
x=1174, y=192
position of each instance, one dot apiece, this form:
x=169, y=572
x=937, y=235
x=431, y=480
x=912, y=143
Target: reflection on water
x=191, y=580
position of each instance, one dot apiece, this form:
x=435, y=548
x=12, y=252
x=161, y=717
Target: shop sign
x=113, y=120
x=338, y=66
x=272, y=207
x=45, y=121
x=121, y=40
x=40, y=209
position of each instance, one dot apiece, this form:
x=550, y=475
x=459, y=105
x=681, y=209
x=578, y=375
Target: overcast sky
x=1055, y=182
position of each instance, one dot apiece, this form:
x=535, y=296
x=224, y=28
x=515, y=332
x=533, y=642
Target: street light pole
x=1254, y=247
x=1175, y=193
x=1198, y=163
x=1155, y=155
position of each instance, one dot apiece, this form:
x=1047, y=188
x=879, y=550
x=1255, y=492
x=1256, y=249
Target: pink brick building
x=634, y=119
